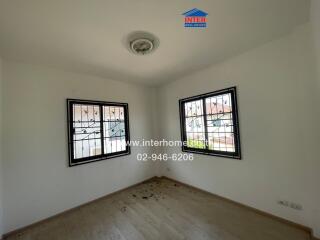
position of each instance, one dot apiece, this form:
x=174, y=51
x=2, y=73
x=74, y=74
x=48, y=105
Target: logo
x=195, y=18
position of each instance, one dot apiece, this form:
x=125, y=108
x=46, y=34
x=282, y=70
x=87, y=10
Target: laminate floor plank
x=161, y=209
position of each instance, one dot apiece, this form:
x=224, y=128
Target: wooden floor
x=161, y=209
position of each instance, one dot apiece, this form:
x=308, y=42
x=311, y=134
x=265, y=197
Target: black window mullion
x=126, y=125
x=71, y=133
x=183, y=122
x=236, y=124
x=101, y=129
x=205, y=123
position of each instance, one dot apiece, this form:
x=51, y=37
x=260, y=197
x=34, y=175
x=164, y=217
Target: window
x=209, y=124
x=97, y=130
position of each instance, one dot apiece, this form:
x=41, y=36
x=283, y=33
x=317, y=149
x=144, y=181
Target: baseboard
x=19, y=230
x=288, y=222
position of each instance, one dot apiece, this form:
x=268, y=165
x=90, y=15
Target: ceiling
x=88, y=36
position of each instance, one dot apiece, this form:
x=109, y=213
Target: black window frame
x=235, y=118
x=102, y=156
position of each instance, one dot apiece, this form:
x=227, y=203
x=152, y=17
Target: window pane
x=220, y=123
x=194, y=124
x=210, y=124
x=86, y=131
x=193, y=108
x=196, y=140
x=220, y=104
x=114, y=129
x=97, y=130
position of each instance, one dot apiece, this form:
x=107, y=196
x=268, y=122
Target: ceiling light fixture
x=142, y=43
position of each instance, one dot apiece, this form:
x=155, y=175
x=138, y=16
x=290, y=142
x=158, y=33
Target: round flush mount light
x=141, y=46
x=142, y=43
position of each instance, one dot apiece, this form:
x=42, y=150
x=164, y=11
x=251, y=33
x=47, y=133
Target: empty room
x=157, y=120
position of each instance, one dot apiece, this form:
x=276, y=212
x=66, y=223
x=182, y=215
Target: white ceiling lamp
x=142, y=43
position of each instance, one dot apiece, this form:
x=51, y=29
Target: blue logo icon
x=195, y=18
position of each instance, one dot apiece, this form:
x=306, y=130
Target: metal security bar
x=209, y=124
x=97, y=130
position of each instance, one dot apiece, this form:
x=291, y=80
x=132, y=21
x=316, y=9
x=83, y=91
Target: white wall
x=276, y=98
x=38, y=182
x=1, y=171
x=315, y=22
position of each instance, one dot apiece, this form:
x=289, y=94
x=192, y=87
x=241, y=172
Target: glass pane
x=196, y=140
x=195, y=132
x=193, y=108
x=220, y=123
x=86, y=130
x=114, y=129
x=221, y=142
x=220, y=104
